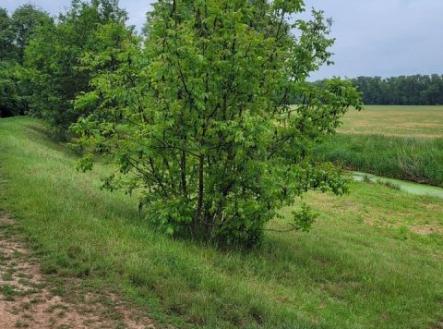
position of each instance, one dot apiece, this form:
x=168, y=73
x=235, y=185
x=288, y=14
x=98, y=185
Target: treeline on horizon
x=401, y=90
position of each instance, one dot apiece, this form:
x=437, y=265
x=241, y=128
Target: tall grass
x=348, y=273
x=418, y=160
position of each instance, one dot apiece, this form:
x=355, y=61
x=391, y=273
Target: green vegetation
x=353, y=271
x=196, y=115
x=15, y=32
x=402, y=90
x=54, y=59
x=41, y=70
x=17, y=29
x=25, y=22
x=418, y=160
x=195, y=123
x=13, y=88
x=408, y=143
x=8, y=292
x=203, y=130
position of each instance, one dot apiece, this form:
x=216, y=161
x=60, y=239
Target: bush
x=204, y=129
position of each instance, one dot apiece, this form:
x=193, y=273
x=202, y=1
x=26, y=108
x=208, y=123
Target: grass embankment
x=373, y=259
x=404, y=142
x=414, y=159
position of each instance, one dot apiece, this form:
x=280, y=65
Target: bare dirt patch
x=27, y=299
x=425, y=230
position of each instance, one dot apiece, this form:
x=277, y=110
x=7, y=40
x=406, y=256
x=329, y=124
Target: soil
x=29, y=298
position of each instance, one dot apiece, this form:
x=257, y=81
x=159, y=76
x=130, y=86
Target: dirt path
x=29, y=300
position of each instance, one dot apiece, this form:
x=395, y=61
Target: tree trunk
x=198, y=220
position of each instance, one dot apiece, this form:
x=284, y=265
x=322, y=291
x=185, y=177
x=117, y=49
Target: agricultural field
x=395, y=120
x=404, y=142
x=372, y=260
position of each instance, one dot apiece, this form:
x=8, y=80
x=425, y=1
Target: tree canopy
x=24, y=22
x=54, y=58
x=15, y=33
x=197, y=114
x=200, y=124
x=6, y=36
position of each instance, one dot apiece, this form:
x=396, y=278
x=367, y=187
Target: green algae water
x=409, y=187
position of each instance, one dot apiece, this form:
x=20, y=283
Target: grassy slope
x=418, y=160
x=404, y=142
x=361, y=266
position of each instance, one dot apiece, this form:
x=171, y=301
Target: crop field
x=372, y=260
x=402, y=121
x=404, y=142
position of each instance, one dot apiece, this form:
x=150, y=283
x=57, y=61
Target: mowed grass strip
x=368, y=262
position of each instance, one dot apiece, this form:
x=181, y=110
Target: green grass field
x=374, y=258
x=404, y=142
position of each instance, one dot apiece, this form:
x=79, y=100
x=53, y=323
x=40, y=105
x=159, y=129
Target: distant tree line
x=402, y=90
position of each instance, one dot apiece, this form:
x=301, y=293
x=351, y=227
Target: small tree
x=206, y=132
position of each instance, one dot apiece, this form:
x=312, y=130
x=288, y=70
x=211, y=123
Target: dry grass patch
x=405, y=121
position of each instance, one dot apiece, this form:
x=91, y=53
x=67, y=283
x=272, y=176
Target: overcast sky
x=374, y=37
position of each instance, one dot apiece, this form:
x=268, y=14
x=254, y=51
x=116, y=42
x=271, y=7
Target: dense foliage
x=201, y=123
x=54, y=57
x=15, y=33
x=198, y=116
x=26, y=21
x=14, y=86
x=6, y=36
x=402, y=90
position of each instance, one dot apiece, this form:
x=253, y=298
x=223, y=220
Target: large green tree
x=55, y=54
x=15, y=32
x=207, y=133
x=7, y=49
x=24, y=22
